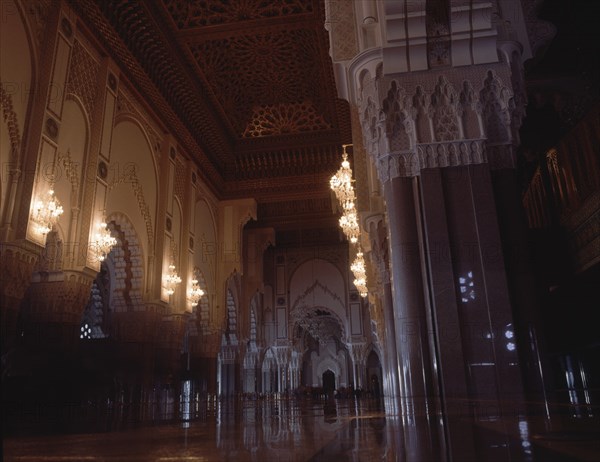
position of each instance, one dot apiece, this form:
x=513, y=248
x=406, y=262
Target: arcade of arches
x=203, y=134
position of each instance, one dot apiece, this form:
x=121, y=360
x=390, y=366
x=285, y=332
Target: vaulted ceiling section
x=247, y=86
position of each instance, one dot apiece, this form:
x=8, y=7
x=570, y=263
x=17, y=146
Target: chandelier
x=349, y=225
x=104, y=241
x=195, y=293
x=341, y=184
x=171, y=280
x=46, y=212
x=360, y=274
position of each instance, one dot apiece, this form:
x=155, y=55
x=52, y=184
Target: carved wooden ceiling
x=247, y=85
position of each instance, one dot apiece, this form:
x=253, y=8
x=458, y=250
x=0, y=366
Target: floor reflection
x=267, y=429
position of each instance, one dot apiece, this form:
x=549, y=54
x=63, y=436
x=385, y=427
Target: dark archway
x=328, y=382
x=374, y=374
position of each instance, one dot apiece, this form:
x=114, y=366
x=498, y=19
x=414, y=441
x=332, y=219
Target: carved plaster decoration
x=37, y=14
x=181, y=179
x=398, y=122
x=130, y=176
x=341, y=24
x=127, y=265
x=370, y=121
x=9, y=116
x=195, y=15
x=444, y=105
x=358, y=351
x=71, y=174
x=494, y=99
x=471, y=111
x=126, y=105
x=82, y=79
x=321, y=322
x=437, y=24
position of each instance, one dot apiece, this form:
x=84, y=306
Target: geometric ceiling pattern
x=247, y=85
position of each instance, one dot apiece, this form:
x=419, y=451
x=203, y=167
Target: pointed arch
x=125, y=263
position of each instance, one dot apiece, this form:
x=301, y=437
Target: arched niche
x=319, y=283
x=69, y=164
x=205, y=247
x=16, y=87
x=133, y=180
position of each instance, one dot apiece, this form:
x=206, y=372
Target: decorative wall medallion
x=169, y=224
x=66, y=27
x=51, y=128
x=102, y=170
x=112, y=82
x=281, y=301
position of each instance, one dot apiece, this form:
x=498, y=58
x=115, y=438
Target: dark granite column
x=421, y=434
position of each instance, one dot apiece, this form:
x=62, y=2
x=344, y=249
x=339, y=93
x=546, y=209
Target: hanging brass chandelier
x=360, y=274
x=195, y=293
x=46, y=212
x=104, y=241
x=172, y=279
x=341, y=184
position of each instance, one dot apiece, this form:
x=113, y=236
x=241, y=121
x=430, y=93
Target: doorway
x=328, y=382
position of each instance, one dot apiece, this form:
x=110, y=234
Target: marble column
x=17, y=263
x=422, y=436
x=521, y=282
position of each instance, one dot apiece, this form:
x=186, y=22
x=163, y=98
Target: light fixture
x=349, y=224
x=171, y=280
x=195, y=293
x=341, y=183
x=360, y=274
x=46, y=212
x=103, y=241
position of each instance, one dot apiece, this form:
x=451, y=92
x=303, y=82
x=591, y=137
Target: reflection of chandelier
x=104, y=241
x=171, y=280
x=195, y=293
x=46, y=212
x=360, y=274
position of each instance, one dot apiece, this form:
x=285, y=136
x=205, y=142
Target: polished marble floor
x=284, y=429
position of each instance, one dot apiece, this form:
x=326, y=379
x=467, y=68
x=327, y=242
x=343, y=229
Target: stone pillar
x=169, y=362
x=391, y=355
x=136, y=335
x=520, y=279
x=16, y=266
x=417, y=394
x=51, y=316
x=378, y=235
x=203, y=363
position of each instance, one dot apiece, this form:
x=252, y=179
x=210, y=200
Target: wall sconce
x=46, y=212
x=104, y=241
x=195, y=293
x=171, y=280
